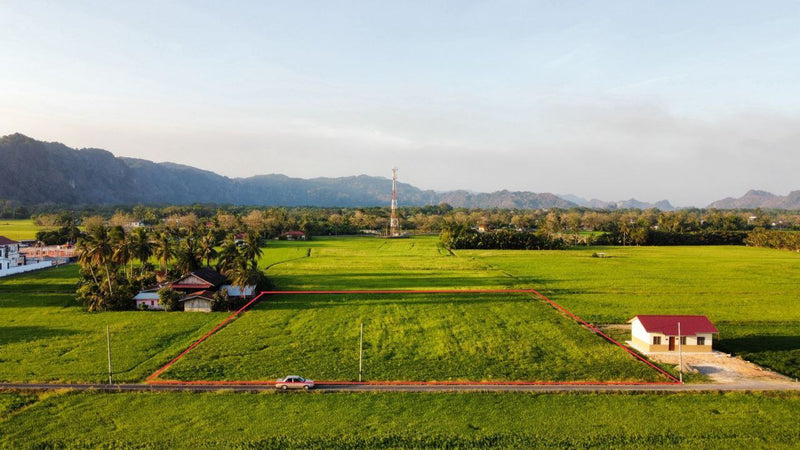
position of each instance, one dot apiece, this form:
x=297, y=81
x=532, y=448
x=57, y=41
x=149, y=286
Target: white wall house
x=147, y=300
x=9, y=254
x=659, y=333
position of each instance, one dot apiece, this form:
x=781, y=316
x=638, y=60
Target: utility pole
x=680, y=354
x=361, y=353
x=108, y=344
x=394, y=222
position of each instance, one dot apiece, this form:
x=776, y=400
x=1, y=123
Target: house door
x=672, y=343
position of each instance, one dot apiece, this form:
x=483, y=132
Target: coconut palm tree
x=252, y=246
x=123, y=249
x=207, y=248
x=141, y=247
x=244, y=273
x=187, y=257
x=228, y=255
x=99, y=251
x=164, y=249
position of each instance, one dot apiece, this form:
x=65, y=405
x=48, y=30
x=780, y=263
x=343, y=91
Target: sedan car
x=294, y=382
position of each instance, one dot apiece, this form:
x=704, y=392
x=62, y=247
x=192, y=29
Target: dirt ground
x=722, y=368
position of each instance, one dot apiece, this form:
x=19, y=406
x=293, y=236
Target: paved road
x=710, y=387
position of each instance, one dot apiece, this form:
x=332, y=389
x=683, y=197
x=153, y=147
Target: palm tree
x=228, y=255
x=252, y=246
x=207, y=248
x=244, y=273
x=123, y=249
x=99, y=251
x=164, y=249
x=141, y=247
x=187, y=256
x=82, y=246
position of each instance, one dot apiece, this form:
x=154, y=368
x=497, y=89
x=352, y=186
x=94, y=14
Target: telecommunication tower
x=394, y=222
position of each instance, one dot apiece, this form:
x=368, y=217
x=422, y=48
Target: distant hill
x=594, y=203
x=760, y=199
x=38, y=172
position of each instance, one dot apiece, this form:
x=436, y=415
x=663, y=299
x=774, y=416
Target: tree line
x=115, y=262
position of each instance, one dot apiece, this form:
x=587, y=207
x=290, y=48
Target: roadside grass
x=405, y=420
x=17, y=229
x=11, y=402
x=749, y=293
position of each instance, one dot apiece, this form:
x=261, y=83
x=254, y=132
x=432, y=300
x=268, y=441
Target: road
x=135, y=387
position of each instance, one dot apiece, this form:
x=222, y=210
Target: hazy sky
x=689, y=101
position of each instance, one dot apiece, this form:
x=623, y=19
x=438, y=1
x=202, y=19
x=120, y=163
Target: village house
x=659, y=333
x=147, y=299
x=12, y=261
x=292, y=236
x=197, y=290
x=9, y=254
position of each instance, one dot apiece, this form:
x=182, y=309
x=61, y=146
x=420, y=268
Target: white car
x=294, y=382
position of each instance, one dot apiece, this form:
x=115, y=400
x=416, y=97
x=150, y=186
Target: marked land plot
x=409, y=337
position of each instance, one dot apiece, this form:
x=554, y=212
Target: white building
x=9, y=254
x=147, y=300
x=12, y=262
x=652, y=333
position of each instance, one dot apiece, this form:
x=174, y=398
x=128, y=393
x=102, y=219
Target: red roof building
x=668, y=333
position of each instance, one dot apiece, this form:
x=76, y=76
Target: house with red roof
x=662, y=333
x=292, y=236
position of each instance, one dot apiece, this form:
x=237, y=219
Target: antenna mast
x=394, y=222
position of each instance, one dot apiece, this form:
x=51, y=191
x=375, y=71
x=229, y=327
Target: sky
x=690, y=101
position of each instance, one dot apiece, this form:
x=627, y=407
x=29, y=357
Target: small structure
x=236, y=291
x=9, y=254
x=659, y=333
x=147, y=299
x=201, y=301
x=293, y=236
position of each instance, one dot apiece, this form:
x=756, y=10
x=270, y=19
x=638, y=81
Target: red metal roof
x=6, y=241
x=669, y=324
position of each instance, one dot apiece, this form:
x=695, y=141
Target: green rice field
x=402, y=420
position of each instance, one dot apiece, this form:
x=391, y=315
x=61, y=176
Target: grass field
x=749, y=293
x=46, y=336
x=404, y=420
x=17, y=229
x=407, y=337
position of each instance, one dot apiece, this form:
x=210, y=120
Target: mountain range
x=36, y=172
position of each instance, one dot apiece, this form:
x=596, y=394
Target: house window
x=683, y=340
x=656, y=340
x=701, y=340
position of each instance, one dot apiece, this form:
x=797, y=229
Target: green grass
x=11, y=402
x=407, y=337
x=46, y=336
x=749, y=293
x=17, y=229
x=405, y=420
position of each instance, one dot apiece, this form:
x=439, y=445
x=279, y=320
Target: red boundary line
x=152, y=378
